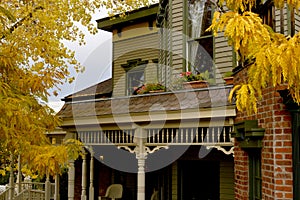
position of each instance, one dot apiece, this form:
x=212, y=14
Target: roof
x=99, y=90
x=167, y=101
x=142, y=14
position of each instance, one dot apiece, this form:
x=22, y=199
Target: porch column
x=11, y=179
x=141, y=156
x=83, y=177
x=91, y=191
x=47, y=187
x=56, y=192
x=71, y=180
x=19, y=176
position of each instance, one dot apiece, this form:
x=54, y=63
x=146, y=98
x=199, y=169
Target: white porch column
x=83, y=177
x=11, y=179
x=91, y=190
x=47, y=187
x=71, y=180
x=141, y=152
x=19, y=176
x=56, y=192
x=141, y=156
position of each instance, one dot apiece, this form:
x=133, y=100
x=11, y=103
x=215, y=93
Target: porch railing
x=30, y=191
x=210, y=136
x=4, y=194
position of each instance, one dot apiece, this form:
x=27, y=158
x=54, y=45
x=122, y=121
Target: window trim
x=255, y=175
x=139, y=68
x=186, y=64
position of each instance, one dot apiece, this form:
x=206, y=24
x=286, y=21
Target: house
x=179, y=143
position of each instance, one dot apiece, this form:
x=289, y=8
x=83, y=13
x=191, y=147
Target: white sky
x=96, y=56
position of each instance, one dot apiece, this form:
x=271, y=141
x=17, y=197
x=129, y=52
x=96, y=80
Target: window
x=135, y=75
x=200, y=42
x=135, y=78
x=255, y=175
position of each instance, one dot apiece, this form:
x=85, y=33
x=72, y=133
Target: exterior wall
x=281, y=21
x=223, y=57
x=226, y=180
x=276, y=163
x=297, y=22
x=223, y=52
x=174, y=181
x=144, y=47
x=178, y=39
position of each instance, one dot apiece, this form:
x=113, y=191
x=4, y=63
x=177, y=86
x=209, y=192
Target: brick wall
x=276, y=154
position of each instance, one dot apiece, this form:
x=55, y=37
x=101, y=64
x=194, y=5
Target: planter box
x=195, y=84
x=228, y=80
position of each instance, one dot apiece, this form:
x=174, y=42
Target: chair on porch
x=154, y=195
x=113, y=192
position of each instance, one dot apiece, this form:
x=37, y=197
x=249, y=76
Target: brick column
x=276, y=163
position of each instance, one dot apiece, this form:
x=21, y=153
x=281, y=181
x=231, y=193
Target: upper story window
x=135, y=74
x=200, y=43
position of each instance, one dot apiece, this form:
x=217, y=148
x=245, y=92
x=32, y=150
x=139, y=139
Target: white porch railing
x=209, y=136
x=30, y=191
x=4, y=194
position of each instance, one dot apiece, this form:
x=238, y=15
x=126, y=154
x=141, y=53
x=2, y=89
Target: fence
x=30, y=191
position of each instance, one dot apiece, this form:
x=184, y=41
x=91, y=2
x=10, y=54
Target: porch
x=144, y=134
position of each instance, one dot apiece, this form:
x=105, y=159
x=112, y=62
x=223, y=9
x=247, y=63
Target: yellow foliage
x=275, y=57
x=245, y=98
x=237, y=5
x=244, y=31
x=50, y=159
x=33, y=59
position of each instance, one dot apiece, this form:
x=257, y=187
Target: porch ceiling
x=178, y=105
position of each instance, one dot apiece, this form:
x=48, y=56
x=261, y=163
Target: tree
x=33, y=59
x=274, y=59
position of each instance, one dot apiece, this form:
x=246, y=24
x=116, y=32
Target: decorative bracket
x=148, y=150
x=227, y=152
x=127, y=148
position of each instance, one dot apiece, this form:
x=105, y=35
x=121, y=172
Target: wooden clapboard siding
x=175, y=181
x=281, y=20
x=223, y=57
x=297, y=21
x=226, y=180
x=177, y=36
x=143, y=47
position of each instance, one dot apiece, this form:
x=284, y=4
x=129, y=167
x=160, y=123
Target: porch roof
x=212, y=97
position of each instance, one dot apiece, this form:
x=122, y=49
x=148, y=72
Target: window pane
x=199, y=17
x=201, y=55
x=134, y=79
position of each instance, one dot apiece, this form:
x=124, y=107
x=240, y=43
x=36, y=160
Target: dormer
x=135, y=49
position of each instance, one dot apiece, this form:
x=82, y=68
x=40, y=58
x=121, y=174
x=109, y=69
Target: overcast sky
x=96, y=56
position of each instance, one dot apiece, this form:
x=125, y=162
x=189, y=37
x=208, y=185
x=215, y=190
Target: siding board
x=144, y=47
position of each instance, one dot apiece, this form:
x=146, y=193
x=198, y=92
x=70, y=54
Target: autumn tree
x=272, y=58
x=34, y=59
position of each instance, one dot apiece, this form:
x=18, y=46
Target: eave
x=115, y=22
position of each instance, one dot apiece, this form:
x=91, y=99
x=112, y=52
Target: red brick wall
x=276, y=155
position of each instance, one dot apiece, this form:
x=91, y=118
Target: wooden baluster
x=186, y=135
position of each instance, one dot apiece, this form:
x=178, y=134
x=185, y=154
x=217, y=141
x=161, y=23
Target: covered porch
x=152, y=134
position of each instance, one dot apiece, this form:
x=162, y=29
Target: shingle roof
x=100, y=90
x=168, y=101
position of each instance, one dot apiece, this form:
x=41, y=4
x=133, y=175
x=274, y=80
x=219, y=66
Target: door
x=199, y=180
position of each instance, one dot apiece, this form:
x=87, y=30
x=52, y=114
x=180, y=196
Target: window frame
x=187, y=42
x=255, y=175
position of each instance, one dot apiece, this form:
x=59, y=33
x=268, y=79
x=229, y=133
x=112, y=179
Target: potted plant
x=150, y=88
x=199, y=80
x=228, y=78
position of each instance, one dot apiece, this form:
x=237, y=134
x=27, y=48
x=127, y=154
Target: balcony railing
x=209, y=136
